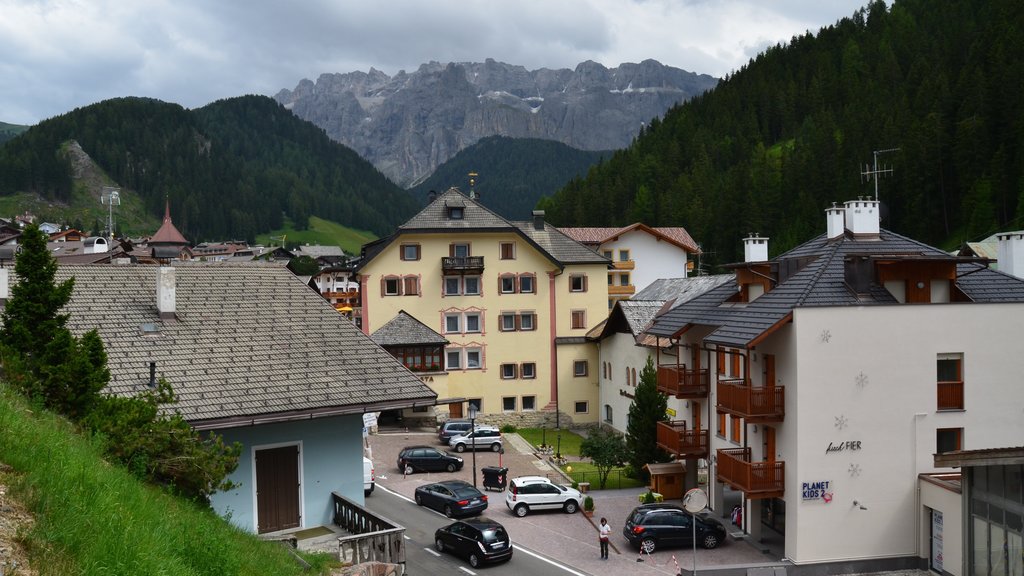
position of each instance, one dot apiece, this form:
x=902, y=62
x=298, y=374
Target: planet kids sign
x=820, y=490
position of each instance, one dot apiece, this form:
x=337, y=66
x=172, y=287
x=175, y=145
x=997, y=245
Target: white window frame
x=511, y=280
x=509, y=371
x=448, y=317
x=532, y=281
x=523, y=322
x=576, y=407
x=479, y=358
x=508, y=322
x=467, y=317
x=504, y=404
x=458, y=285
x=465, y=285
x=528, y=374
x=453, y=353
x=533, y=402
x=576, y=368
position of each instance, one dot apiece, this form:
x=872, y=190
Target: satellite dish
x=695, y=500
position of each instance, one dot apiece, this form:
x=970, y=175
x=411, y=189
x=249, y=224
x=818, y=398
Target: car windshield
x=465, y=491
x=635, y=517
x=495, y=535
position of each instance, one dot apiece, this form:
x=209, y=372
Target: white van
x=368, y=477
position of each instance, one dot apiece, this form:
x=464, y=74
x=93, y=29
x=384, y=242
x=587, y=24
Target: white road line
x=467, y=570
x=432, y=551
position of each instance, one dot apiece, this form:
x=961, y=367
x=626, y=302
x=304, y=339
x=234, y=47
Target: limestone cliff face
x=408, y=124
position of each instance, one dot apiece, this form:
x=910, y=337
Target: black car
x=426, y=458
x=654, y=526
x=452, y=497
x=479, y=540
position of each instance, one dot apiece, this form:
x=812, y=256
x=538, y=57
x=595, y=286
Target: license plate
x=477, y=501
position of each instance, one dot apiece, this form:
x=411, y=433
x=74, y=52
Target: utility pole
x=110, y=196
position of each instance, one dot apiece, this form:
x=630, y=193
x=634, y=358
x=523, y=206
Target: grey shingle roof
x=822, y=282
x=639, y=314
x=248, y=342
x=561, y=248
x=681, y=289
x=404, y=330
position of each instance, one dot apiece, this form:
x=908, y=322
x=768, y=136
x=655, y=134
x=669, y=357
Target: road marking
x=432, y=551
x=467, y=570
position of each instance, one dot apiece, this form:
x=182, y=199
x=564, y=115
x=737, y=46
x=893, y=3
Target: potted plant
x=588, y=506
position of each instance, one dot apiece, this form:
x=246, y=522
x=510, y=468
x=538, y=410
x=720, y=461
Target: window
x=471, y=285
x=472, y=322
x=453, y=359
x=529, y=403
x=607, y=254
x=581, y=407
x=579, y=319
x=529, y=371
x=456, y=212
x=507, y=250
x=623, y=255
x=508, y=371
x=579, y=368
x=737, y=424
x=624, y=279
x=451, y=285
x=392, y=286
x=508, y=404
x=526, y=284
x=411, y=285
x=527, y=321
x=721, y=424
x=473, y=358
x=950, y=387
x=634, y=377
x=611, y=279
x=577, y=283
x=608, y=413
x=478, y=402
x=458, y=250
x=948, y=439
x=410, y=251
x=508, y=284
x=508, y=322
x=452, y=323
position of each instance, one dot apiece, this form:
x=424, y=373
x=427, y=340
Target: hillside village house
x=640, y=254
x=839, y=368
x=256, y=356
x=514, y=300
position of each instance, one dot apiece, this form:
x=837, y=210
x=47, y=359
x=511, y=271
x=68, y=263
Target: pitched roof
x=637, y=313
x=820, y=280
x=681, y=289
x=404, y=330
x=250, y=343
x=319, y=251
x=599, y=235
x=167, y=233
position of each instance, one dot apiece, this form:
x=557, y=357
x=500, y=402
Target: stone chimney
x=538, y=219
x=165, y=293
x=835, y=220
x=862, y=218
x=755, y=248
x=1010, y=253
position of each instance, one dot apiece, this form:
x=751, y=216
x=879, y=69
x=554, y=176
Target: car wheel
x=418, y=499
x=522, y=510
x=460, y=448
x=448, y=513
x=648, y=545
x=450, y=467
x=408, y=469
x=571, y=507
x=367, y=492
x=474, y=560
x=439, y=545
x=710, y=541
x=495, y=447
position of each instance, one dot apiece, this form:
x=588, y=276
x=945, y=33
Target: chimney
x=538, y=219
x=165, y=292
x=152, y=374
x=431, y=196
x=5, y=286
x=1010, y=253
x=755, y=248
x=835, y=220
x=862, y=218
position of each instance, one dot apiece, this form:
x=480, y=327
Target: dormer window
x=456, y=212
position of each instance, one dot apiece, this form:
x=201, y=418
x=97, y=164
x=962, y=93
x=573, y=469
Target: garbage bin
x=495, y=477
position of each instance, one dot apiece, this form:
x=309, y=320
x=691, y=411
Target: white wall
x=949, y=503
x=654, y=259
x=621, y=351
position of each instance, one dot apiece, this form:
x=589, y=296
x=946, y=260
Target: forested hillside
x=781, y=139
x=231, y=169
x=8, y=131
x=513, y=173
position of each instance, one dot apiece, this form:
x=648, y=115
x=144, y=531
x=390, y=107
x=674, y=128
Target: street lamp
x=472, y=430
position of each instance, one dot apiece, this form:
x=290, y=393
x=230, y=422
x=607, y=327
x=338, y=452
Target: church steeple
x=168, y=235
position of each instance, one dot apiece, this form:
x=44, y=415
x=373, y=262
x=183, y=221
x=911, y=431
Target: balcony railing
x=624, y=265
x=674, y=438
x=682, y=383
x=619, y=290
x=373, y=538
x=755, y=404
x=950, y=396
x=345, y=294
x=462, y=263
x=754, y=479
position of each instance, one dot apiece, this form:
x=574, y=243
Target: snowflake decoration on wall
x=826, y=336
x=841, y=421
x=854, y=470
x=861, y=379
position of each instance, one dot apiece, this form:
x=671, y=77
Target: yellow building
x=514, y=300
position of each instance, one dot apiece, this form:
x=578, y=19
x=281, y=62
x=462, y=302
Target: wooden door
x=769, y=444
x=455, y=410
x=695, y=414
x=769, y=370
x=277, y=488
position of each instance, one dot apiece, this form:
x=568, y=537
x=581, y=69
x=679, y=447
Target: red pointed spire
x=168, y=234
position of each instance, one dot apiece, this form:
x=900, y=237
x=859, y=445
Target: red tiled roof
x=168, y=234
x=599, y=235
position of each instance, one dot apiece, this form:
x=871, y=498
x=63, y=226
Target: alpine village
x=779, y=322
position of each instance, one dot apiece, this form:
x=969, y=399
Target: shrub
x=575, y=485
x=649, y=497
x=588, y=504
x=508, y=428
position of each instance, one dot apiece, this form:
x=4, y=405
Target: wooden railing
x=950, y=396
x=754, y=479
x=683, y=383
x=346, y=294
x=620, y=290
x=674, y=438
x=756, y=404
x=624, y=264
x=373, y=538
x=462, y=263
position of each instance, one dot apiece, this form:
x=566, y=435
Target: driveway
x=567, y=538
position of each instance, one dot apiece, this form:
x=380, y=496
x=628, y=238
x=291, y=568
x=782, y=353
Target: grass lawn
x=587, y=472
x=569, y=444
x=322, y=232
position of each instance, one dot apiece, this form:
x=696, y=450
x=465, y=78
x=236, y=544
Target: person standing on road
x=604, y=531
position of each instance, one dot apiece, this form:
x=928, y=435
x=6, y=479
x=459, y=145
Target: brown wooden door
x=696, y=414
x=769, y=444
x=455, y=410
x=769, y=370
x=277, y=488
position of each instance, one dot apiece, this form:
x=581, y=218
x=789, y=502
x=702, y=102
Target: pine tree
x=648, y=408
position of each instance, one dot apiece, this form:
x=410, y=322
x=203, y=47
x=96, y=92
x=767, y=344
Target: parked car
x=369, y=479
x=478, y=540
x=452, y=498
x=426, y=458
x=487, y=437
x=447, y=430
x=653, y=526
x=527, y=493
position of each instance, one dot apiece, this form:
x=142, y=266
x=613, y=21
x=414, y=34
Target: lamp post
x=472, y=430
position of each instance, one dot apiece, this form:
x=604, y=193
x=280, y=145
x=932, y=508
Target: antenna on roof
x=869, y=173
x=472, y=181
x=110, y=196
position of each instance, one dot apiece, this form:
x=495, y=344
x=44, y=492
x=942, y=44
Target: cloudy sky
x=56, y=55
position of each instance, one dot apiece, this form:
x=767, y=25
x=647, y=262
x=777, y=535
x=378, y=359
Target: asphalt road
x=421, y=558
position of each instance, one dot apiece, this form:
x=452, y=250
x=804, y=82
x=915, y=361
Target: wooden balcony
x=754, y=479
x=624, y=265
x=682, y=383
x=754, y=404
x=950, y=396
x=674, y=438
x=462, y=264
x=618, y=290
x=347, y=294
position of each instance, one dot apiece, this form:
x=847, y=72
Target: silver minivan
x=486, y=437
x=452, y=428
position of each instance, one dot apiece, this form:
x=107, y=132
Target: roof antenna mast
x=110, y=196
x=873, y=172
x=472, y=181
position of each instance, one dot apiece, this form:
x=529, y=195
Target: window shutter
x=383, y=286
x=451, y=250
x=584, y=282
x=519, y=322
